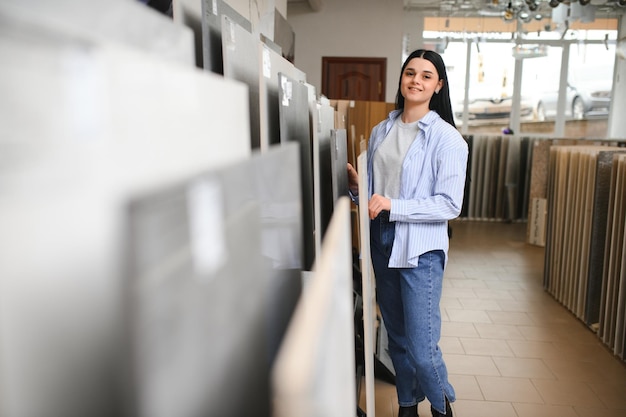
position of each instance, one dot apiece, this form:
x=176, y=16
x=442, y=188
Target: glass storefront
x=565, y=80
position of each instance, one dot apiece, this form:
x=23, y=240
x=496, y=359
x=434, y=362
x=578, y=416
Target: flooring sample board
x=110, y=121
x=209, y=41
x=537, y=222
x=499, y=169
x=204, y=326
x=314, y=373
x=339, y=159
x=211, y=24
x=476, y=192
x=324, y=176
x=526, y=155
x=295, y=127
x=490, y=177
x=538, y=155
x=240, y=50
x=315, y=150
x=284, y=36
x=128, y=24
x=272, y=64
x=188, y=13
x=368, y=286
x=572, y=194
x=614, y=256
x=341, y=113
x=468, y=180
x=598, y=235
x=513, y=180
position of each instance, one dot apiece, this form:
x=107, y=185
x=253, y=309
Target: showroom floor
x=510, y=348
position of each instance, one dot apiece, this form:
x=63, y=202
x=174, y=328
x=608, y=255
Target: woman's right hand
x=353, y=180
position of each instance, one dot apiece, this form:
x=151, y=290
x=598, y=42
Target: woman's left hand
x=377, y=204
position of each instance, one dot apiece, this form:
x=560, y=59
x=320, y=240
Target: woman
x=416, y=169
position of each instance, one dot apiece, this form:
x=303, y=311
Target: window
x=490, y=75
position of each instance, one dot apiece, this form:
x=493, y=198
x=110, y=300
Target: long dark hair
x=439, y=102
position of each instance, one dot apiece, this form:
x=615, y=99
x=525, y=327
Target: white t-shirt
x=389, y=156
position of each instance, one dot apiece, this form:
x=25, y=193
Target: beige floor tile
x=531, y=349
x=514, y=305
x=567, y=393
x=543, y=410
x=612, y=395
x=467, y=283
x=476, y=304
x=492, y=266
x=458, y=329
x=454, y=271
x=570, y=370
x=466, y=387
x=458, y=292
x=467, y=316
x=509, y=389
x=597, y=412
x=489, y=294
x=499, y=331
x=486, y=347
x=523, y=275
x=483, y=275
x=612, y=369
x=589, y=350
x=504, y=285
x=450, y=302
x=470, y=365
x=523, y=368
x=509, y=317
x=538, y=334
x=451, y=345
x=540, y=311
x=469, y=408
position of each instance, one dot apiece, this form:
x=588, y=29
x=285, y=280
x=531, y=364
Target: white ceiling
x=469, y=8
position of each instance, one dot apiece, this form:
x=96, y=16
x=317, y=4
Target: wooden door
x=349, y=78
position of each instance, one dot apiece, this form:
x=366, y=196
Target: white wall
x=357, y=28
x=617, y=122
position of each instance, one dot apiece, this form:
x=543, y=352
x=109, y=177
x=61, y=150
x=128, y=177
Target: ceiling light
x=508, y=13
x=490, y=13
x=554, y=3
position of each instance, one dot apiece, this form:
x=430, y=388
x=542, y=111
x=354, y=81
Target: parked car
x=484, y=106
x=588, y=100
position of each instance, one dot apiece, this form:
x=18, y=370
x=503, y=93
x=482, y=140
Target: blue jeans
x=409, y=302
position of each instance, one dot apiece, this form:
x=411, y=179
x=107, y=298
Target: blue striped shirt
x=431, y=187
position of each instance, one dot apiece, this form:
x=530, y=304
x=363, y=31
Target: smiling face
x=419, y=82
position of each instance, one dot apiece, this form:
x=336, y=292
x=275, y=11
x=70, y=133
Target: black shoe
x=438, y=414
x=408, y=411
